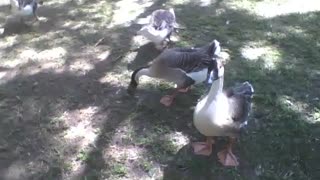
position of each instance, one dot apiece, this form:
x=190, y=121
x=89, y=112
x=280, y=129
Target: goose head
x=160, y=15
x=217, y=72
x=214, y=49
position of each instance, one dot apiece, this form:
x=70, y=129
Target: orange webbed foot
x=184, y=90
x=227, y=158
x=166, y=100
x=202, y=148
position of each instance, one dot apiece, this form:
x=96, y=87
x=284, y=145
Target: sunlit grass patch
x=270, y=56
x=127, y=11
x=273, y=8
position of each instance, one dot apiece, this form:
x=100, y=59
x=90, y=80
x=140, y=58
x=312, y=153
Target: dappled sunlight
x=198, y=2
x=16, y=170
x=257, y=51
x=316, y=116
x=127, y=11
x=177, y=139
x=30, y=62
x=179, y=2
x=104, y=55
x=81, y=126
x=296, y=30
x=281, y=31
x=100, y=11
x=57, y=53
x=125, y=157
x=66, y=113
x=273, y=8
x=129, y=149
x=116, y=79
x=309, y=114
x=294, y=105
x=76, y=25
x=80, y=67
x=83, y=129
x=131, y=160
x=8, y=42
x=127, y=153
x=3, y=74
x=205, y=2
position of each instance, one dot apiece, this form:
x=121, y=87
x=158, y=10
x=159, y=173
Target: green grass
x=119, y=170
x=279, y=55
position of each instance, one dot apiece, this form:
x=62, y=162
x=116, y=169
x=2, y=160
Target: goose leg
x=35, y=13
x=226, y=157
x=21, y=20
x=168, y=99
x=35, y=16
x=183, y=86
x=184, y=90
x=203, y=148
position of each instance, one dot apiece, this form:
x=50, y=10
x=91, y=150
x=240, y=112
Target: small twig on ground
x=112, y=60
x=134, y=49
x=117, y=58
x=99, y=42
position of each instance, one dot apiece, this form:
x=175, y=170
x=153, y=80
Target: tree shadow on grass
x=33, y=134
x=278, y=144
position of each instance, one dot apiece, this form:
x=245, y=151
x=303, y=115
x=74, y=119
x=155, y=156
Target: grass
x=65, y=113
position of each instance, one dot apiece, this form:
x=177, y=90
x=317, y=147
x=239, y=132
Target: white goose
x=24, y=8
x=161, y=25
x=222, y=113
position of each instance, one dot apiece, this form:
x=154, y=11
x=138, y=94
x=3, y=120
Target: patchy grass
x=65, y=113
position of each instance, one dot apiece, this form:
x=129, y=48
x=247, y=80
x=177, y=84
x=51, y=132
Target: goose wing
x=186, y=59
x=239, y=100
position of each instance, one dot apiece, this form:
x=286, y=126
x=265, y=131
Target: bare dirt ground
x=65, y=113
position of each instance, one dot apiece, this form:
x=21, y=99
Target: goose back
x=188, y=60
x=191, y=59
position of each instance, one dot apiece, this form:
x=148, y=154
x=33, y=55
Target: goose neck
x=142, y=72
x=215, y=89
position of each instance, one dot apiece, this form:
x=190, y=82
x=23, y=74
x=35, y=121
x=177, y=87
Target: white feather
x=209, y=123
x=25, y=11
x=199, y=76
x=156, y=36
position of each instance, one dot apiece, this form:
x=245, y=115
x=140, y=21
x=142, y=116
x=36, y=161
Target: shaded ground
x=65, y=113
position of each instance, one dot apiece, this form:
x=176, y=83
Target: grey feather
x=23, y=3
x=162, y=19
x=240, y=100
x=190, y=59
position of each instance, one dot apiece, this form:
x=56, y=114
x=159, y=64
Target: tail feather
x=133, y=83
x=244, y=89
x=213, y=49
x=216, y=48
